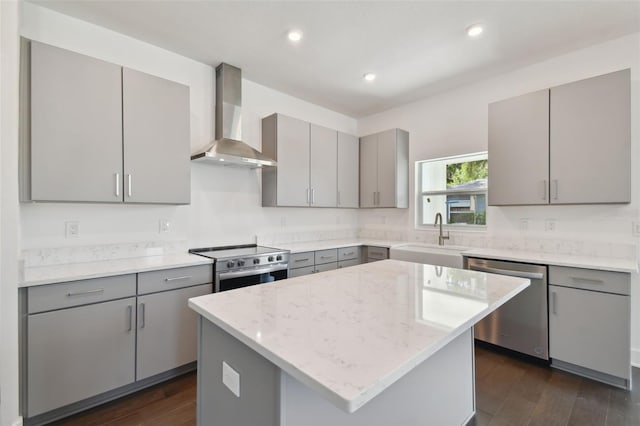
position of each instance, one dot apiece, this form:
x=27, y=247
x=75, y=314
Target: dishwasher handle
x=519, y=274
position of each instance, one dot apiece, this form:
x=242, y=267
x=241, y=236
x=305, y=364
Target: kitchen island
x=389, y=342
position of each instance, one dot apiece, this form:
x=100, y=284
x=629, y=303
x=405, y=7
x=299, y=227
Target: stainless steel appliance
x=521, y=324
x=245, y=265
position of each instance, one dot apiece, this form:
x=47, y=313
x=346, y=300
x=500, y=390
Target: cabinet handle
x=83, y=293
x=117, y=184
x=302, y=260
x=326, y=257
x=554, y=302
x=142, y=315
x=313, y=195
x=129, y=185
x=130, y=317
x=555, y=186
x=348, y=254
x=544, y=190
x=186, y=277
x=587, y=280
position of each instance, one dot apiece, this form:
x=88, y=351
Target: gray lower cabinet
x=589, y=320
x=92, y=131
x=167, y=330
x=78, y=353
x=384, y=169
x=323, y=260
x=374, y=253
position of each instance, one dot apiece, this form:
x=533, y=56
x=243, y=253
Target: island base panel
x=438, y=391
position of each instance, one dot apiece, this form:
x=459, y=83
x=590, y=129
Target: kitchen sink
x=431, y=254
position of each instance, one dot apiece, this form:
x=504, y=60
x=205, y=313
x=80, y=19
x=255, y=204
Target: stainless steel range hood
x=227, y=149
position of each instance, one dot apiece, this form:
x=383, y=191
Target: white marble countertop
x=84, y=270
x=350, y=333
x=329, y=244
x=587, y=262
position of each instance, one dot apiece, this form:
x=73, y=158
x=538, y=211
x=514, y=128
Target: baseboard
x=635, y=357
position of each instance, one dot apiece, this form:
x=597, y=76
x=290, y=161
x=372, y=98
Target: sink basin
x=431, y=254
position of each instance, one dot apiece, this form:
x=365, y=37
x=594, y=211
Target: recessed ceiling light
x=295, y=35
x=474, y=30
x=369, y=76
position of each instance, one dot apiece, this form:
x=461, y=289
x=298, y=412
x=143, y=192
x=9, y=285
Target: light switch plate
x=163, y=225
x=72, y=229
x=231, y=379
x=550, y=225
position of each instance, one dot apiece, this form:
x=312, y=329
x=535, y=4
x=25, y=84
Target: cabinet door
x=519, y=150
x=77, y=353
x=76, y=127
x=157, y=158
x=590, y=329
x=348, y=170
x=387, y=168
x=323, y=173
x=167, y=330
x=368, y=170
x=293, y=162
x=591, y=140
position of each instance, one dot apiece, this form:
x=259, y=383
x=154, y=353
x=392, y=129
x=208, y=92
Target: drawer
x=326, y=256
x=326, y=267
x=169, y=279
x=590, y=279
x=348, y=253
x=300, y=260
x=347, y=263
x=378, y=253
x=298, y=272
x=81, y=292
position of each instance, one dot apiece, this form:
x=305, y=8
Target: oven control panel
x=252, y=262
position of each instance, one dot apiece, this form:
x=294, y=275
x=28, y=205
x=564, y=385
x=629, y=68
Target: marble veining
x=84, y=270
x=352, y=332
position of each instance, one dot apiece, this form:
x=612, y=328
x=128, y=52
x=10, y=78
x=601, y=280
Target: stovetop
x=243, y=257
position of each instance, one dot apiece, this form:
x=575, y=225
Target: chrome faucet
x=441, y=237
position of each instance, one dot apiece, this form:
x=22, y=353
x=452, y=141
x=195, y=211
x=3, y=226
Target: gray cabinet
x=95, y=132
x=156, y=139
x=79, y=352
x=348, y=170
x=167, y=330
x=570, y=144
x=307, y=170
x=384, y=169
x=76, y=127
x=311, y=262
x=519, y=150
x=589, y=319
x=374, y=253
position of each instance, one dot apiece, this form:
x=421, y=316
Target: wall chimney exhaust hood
x=227, y=149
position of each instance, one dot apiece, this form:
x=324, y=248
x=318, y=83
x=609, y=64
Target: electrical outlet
x=524, y=224
x=635, y=229
x=72, y=229
x=163, y=225
x=231, y=379
x=550, y=225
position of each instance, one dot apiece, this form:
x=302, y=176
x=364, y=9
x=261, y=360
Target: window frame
x=420, y=194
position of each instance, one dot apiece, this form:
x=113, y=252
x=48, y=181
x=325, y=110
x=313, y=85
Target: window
x=455, y=187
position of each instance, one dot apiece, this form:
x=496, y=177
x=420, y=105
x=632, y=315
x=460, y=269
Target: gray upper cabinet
x=570, y=144
x=519, y=150
x=348, y=170
x=384, y=169
x=590, y=140
x=76, y=127
x=286, y=140
x=323, y=171
x=156, y=139
x=94, y=132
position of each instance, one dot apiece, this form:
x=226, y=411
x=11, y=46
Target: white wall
x=455, y=122
x=225, y=207
x=9, y=226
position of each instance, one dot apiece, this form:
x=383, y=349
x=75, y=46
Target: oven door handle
x=519, y=274
x=250, y=272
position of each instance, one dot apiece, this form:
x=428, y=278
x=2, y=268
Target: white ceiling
x=416, y=48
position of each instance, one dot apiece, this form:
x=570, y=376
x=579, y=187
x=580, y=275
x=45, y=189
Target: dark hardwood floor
x=509, y=391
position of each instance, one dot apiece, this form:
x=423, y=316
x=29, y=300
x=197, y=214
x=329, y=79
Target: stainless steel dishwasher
x=521, y=324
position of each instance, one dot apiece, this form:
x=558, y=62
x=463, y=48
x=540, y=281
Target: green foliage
x=466, y=172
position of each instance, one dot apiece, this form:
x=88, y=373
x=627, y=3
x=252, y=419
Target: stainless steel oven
x=242, y=266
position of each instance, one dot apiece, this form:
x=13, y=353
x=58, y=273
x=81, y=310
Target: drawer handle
x=587, y=280
x=302, y=260
x=186, y=277
x=326, y=257
x=348, y=254
x=142, y=315
x=130, y=317
x=83, y=293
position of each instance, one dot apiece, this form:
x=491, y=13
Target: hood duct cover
x=227, y=149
